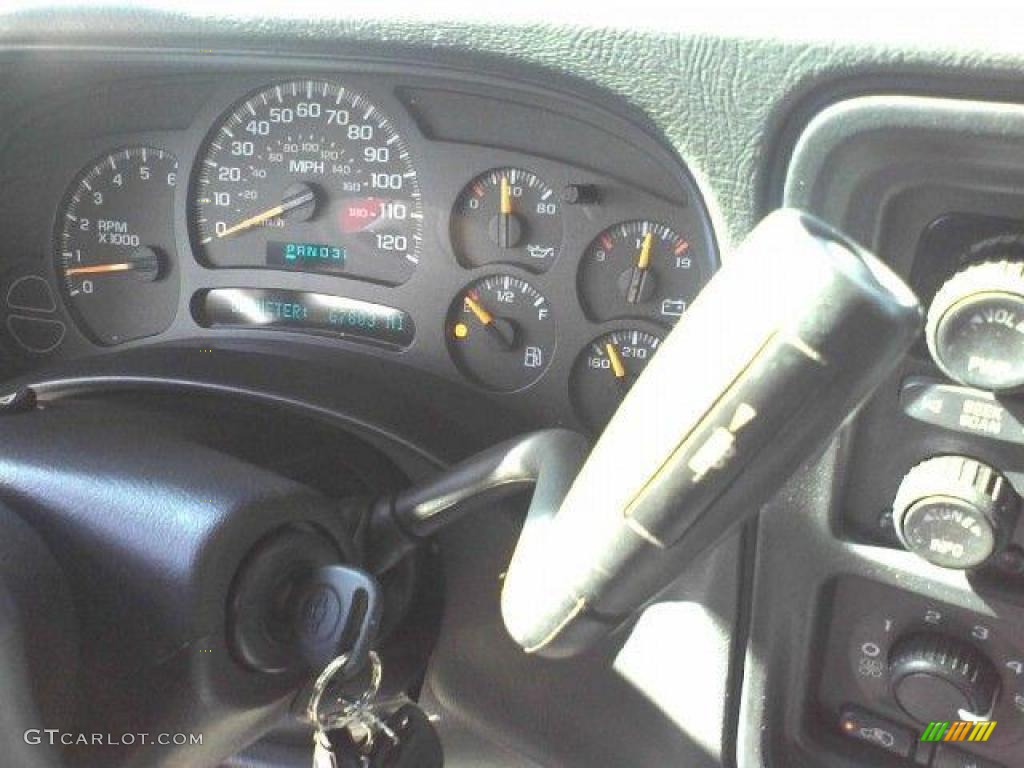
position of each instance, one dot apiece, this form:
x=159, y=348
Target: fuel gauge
x=500, y=333
x=606, y=369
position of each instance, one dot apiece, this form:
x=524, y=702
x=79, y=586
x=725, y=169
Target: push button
x=962, y=409
x=36, y=334
x=871, y=729
x=950, y=757
x=31, y=292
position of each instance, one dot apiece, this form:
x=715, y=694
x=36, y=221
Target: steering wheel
x=165, y=603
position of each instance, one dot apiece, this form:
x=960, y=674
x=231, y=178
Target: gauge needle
x=485, y=317
x=618, y=368
x=643, y=260
x=643, y=263
x=506, y=197
x=98, y=269
x=507, y=227
x=501, y=330
x=288, y=204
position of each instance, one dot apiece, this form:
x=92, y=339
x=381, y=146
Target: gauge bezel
x=575, y=394
x=515, y=258
x=343, y=93
x=168, y=279
x=455, y=311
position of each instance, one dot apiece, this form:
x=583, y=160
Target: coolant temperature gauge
x=500, y=333
x=606, y=369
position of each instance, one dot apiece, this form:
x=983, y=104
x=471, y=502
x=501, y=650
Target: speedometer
x=311, y=176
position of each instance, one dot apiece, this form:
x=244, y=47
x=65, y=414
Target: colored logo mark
x=959, y=731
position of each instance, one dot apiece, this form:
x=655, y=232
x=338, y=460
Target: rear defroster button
x=869, y=728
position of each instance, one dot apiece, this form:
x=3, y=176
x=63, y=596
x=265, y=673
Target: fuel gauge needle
x=304, y=197
x=643, y=264
x=501, y=330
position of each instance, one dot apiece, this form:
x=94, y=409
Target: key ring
x=328, y=674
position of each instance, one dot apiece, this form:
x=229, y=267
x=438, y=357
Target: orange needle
x=643, y=261
x=97, y=269
x=297, y=200
x=618, y=368
x=506, y=196
x=485, y=317
x=252, y=221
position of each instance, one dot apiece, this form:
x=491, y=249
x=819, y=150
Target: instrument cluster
x=316, y=209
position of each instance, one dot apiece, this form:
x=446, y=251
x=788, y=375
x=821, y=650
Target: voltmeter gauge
x=507, y=215
x=501, y=333
x=640, y=269
x=606, y=369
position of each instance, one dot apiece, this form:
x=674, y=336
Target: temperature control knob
x=935, y=677
x=954, y=511
x=975, y=326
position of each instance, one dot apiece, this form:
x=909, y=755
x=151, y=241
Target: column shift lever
x=787, y=339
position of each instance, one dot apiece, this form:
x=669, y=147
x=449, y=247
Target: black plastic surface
x=172, y=104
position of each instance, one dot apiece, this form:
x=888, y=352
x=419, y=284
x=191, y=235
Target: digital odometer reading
x=307, y=257
x=316, y=313
x=305, y=163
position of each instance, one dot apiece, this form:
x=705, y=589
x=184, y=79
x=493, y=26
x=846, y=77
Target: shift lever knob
x=790, y=336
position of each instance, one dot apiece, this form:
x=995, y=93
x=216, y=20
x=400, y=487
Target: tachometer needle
x=289, y=203
x=618, y=367
x=98, y=269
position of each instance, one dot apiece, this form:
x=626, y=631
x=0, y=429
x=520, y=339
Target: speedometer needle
x=288, y=204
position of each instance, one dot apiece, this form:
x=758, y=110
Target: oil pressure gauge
x=507, y=215
x=640, y=269
x=500, y=333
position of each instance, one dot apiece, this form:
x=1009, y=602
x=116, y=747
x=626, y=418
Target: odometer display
x=315, y=165
x=303, y=312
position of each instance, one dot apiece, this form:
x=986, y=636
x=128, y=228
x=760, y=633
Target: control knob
x=954, y=511
x=936, y=677
x=975, y=328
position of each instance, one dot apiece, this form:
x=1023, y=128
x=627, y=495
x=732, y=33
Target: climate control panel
x=899, y=661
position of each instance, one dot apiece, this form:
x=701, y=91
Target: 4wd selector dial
x=954, y=511
x=935, y=677
x=975, y=326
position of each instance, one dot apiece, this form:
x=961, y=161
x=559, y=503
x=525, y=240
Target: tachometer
x=115, y=245
x=308, y=175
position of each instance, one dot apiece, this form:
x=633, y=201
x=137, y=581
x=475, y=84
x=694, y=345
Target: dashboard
x=533, y=248
x=440, y=234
